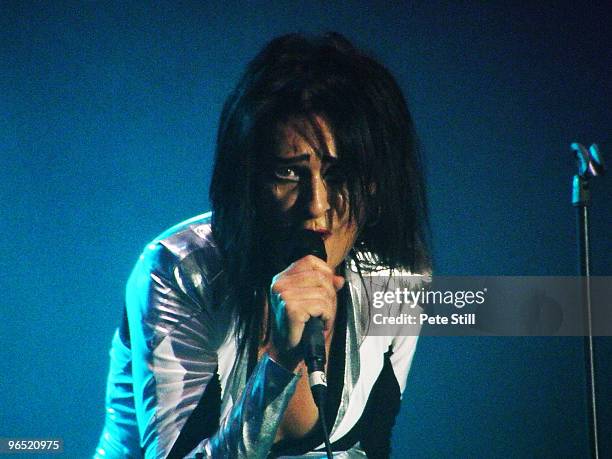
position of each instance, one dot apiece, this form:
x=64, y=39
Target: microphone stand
x=590, y=165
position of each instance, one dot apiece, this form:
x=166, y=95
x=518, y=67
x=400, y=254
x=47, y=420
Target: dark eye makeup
x=293, y=174
x=286, y=174
x=334, y=174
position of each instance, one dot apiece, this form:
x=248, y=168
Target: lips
x=322, y=232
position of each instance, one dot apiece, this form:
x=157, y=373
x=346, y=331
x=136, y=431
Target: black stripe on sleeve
x=203, y=421
x=374, y=427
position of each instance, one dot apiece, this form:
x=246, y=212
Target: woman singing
x=315, y=138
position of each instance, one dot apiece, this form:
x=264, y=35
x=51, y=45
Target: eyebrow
x=302, y=158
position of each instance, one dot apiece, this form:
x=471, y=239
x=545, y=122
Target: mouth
x=325, y=234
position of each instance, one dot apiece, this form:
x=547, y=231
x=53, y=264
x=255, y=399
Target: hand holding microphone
x=305, y=290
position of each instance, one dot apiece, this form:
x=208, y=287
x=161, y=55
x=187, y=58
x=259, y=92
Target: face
x=301, y=190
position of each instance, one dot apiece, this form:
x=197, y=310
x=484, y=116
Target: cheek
x=341, y=206
x=348, y=237
x=341, y=243
x=281, y=198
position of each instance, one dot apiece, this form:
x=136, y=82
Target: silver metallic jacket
x=179, y=341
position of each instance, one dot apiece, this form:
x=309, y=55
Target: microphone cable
x=320, y=402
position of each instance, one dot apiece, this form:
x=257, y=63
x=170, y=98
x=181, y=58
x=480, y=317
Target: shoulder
x=185, y=258
x=189, y=244
x=177, y=278
x=188, y=236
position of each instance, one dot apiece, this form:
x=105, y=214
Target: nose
x=318, y=204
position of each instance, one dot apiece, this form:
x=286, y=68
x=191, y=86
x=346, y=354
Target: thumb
x=338, y=282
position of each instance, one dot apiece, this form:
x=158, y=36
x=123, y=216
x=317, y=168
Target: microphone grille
x=307, y=243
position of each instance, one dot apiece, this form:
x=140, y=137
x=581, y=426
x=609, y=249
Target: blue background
x=107, y=127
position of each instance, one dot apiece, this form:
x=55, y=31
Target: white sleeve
x=401, y=359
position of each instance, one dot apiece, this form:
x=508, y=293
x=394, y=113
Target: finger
x=338, y=282
x=311, y=293
x=297, y=314
x=303, y=310
x=309, y=263
x=296, y=320
x=323, y=312
x=303, y=280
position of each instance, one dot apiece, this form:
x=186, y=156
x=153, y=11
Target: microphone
x=313, y=343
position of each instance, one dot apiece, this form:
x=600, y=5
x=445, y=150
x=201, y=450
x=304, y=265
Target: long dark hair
x=299, y=77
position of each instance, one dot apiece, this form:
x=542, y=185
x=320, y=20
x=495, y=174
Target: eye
x=335, y=175
x=287, y=174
